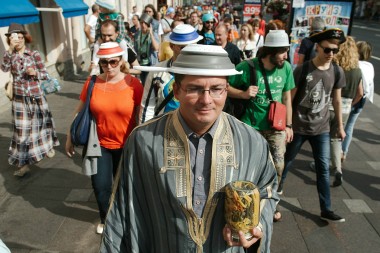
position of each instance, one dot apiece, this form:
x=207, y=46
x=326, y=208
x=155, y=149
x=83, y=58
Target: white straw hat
x=109, y=49
x=183, y=35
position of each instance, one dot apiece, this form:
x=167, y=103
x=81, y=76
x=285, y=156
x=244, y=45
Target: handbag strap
x=90, y=88
x=261, y=65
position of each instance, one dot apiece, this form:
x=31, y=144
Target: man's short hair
x=227, y=20
x=109, y=22
x=95, y=8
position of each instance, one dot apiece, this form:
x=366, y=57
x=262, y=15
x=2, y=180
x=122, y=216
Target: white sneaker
x=51, y=153
x=100, y=228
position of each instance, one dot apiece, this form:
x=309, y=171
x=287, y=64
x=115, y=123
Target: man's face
x=325, y=50
x=108, y=33
x=171, y=15
x=135, y=20
x=221, y=35
x=228, y=26
x=176, y=48
x=149, y=11
x=279, y=59
x=144, y=27
x=198, y=108
x=194, y=18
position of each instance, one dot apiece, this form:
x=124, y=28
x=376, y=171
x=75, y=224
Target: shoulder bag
x=80, y=128
x=277, y=110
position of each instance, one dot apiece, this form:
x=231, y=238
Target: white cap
x=277, y=38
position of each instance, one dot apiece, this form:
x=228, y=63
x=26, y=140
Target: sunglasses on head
x=113, y=63
x=328, y=50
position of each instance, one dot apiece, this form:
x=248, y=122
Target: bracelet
x=289, y=126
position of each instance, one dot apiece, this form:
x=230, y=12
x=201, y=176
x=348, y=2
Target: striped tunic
x=151, y=207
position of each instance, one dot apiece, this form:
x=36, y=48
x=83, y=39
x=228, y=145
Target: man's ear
x=175, y=89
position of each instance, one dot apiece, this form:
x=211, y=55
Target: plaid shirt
x=23, y=84
x=115, y=16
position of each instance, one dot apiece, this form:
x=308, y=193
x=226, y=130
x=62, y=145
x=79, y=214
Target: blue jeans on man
x=320, y=145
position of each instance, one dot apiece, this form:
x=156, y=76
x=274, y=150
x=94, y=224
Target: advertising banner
x=251, y=7
x=336, y=14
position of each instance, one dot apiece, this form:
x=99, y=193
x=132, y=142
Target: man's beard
x=278, y=65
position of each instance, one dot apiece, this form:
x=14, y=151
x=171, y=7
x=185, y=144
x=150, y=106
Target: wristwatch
x=289, y=126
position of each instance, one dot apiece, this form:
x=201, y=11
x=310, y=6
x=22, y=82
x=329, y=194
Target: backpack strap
x=301, y=84
x=252, y=72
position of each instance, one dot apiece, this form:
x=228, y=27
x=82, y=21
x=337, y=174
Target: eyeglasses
x=113, y=63
x=215, y=92
x=328, y=50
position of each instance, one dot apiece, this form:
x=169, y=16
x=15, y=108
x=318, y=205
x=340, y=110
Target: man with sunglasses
x=318, y=83
x=207, y=30
x=170, y=190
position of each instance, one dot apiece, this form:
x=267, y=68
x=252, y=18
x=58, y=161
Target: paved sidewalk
x=54, y=210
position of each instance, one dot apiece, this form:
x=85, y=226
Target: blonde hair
x=348, y=56
x=364, y=49
x=251, y=35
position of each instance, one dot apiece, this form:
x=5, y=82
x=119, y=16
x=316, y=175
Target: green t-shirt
x=280, y=80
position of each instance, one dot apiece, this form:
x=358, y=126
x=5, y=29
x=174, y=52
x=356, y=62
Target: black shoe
x=331, y=216
x=280, y=186
x=338, y=179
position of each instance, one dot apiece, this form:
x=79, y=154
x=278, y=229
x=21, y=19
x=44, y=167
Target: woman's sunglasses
x=113, y=63
x=328, y=50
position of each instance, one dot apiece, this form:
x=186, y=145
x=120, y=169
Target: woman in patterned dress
x=34, y=133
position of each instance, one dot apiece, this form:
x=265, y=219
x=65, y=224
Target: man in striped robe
x=170, y=190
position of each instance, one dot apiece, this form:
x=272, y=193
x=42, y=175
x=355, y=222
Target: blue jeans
x=103, y=180
x=320, y=145
x=349, y=129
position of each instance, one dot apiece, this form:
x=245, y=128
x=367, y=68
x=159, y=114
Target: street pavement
x=53, y=209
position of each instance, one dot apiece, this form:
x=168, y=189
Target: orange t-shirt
x=113, y=106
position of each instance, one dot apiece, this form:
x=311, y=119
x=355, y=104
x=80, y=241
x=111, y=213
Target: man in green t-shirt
x=272, y=59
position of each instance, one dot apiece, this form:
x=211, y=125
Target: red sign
x=250, y=9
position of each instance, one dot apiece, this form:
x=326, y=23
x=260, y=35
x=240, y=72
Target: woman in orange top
x=114, y=104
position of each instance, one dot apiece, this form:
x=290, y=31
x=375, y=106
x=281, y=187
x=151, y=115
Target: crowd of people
x=161, y=149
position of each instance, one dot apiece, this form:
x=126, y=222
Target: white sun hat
x=109, y=49
x=199, y=60
x=183, y=35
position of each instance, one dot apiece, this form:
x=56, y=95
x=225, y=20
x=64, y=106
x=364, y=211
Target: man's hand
x=227, y=235
x=341, y=133
x=289, y=134
x=251, y=92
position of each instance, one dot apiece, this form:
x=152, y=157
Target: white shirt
x=259, y=42
x=368, y=74
x=91, y=21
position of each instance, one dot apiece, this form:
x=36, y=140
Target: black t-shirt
x=233, y=53
x=307, y=49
